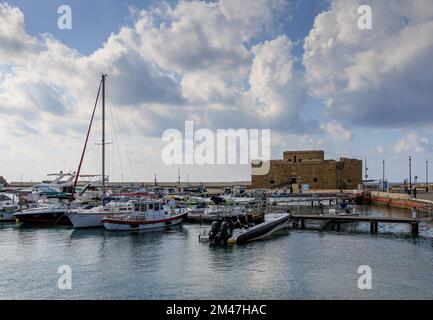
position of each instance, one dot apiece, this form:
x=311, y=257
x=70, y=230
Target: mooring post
x=302, y=223
x=371, y=227
x=338, y=226
x=415, y=229
x=376, y=227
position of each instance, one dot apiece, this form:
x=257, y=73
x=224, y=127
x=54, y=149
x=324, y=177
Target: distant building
x=309, y=168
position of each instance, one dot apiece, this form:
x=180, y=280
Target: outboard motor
x=225, y=231
x=214, y=230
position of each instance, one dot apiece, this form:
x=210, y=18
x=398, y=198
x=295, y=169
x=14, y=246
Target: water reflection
x=173, y=264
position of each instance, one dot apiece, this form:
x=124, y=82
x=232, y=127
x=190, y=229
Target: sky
x=303, y=69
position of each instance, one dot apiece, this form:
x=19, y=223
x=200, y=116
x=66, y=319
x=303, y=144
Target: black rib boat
x=226, y=231
x=261, y=230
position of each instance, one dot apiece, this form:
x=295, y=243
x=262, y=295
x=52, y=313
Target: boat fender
x=231, y=241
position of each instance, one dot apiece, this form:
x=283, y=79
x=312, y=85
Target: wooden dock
x=337, y=220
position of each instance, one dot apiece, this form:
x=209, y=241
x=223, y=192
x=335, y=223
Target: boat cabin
x=149, y=208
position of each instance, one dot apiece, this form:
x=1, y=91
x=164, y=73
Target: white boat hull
x=123, y=225
x=92, y=218
x=86, y=220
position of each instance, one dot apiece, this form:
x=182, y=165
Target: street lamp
x=426, y=176
x=383, y=175
x=410, y=175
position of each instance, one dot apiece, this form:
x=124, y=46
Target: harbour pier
x=337, y=220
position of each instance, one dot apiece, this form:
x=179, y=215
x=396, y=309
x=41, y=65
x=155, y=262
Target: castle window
x=290, y=160
x=315, y=179
x=272, y=182
x=300, y=160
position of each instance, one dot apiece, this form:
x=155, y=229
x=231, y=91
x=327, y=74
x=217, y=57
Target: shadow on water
x=34, y=226
x=8, y=224
x=97, y=232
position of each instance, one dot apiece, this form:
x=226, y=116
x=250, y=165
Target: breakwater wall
x=398, y=200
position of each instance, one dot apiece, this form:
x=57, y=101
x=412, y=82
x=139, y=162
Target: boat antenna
x=85, y=145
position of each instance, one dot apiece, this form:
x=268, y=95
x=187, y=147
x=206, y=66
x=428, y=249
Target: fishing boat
x=8, y=206
x=147, y=215
x=227, y=231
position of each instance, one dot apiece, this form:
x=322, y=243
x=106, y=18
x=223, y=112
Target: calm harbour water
x=174, y=265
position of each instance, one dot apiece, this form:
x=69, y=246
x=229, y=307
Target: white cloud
x=208, y=61
x=193, y=55
x=191, y=60
x=275, y=86
x=381, y=76
x=412, y=144
x=335, y=132
x=14, y=40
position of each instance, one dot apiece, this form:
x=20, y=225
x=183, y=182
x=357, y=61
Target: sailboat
x=90, y=218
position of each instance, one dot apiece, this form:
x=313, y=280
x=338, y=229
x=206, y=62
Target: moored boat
x=92, y=218
x=260, y=231
x=8, y=206
x=52, y=214
x=7, y=216
x=227, y=231
x=88, y=218
x=147, y=215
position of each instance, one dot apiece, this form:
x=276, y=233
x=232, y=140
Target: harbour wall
x=398, y=200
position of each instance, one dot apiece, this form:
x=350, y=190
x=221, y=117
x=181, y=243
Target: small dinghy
x=225, y=231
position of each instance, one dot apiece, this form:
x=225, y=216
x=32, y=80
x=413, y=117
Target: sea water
x=173, y=264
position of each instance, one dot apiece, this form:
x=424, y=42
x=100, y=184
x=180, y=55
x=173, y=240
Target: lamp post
x=383, y=175
x=426, y=176
x=366, y=169
x=410, y=175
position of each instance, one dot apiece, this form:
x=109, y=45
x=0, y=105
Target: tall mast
x=103, y=139
x=85, y=144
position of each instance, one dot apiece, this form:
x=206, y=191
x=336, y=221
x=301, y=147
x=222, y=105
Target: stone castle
x=309, y=167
